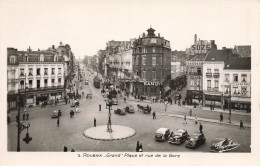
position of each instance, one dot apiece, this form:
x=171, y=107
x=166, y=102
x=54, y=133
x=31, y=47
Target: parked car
x=223, y=145
x=162, y=134
x=129, y=109
x=120, y=111
x=195, y=140
x=179, y=136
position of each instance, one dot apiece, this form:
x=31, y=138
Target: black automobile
x=179, y=136
x=195, y=140
x=120, y=111
x=162, y=134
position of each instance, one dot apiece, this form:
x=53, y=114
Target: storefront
x=148, y=89
x=12, y=101
x=241, y=103
x=215, y=99
x=194, y=96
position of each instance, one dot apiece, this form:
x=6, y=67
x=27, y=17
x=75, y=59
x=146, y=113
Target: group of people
x=65, y=149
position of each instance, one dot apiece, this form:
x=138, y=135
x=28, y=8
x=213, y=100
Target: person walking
x=185, y=120
x=154, y=115
x=58, y=122
x=196, y=119
x=190, y=112
x=27, y=116
x=59, y=113
x=137, y=146
x=200, y=128
x=23, y=116
x=124, y=99
x=95, y=122
x=99, y=106
x=241, y=124
x=140, y=147
x=65, y=149
x=221, y=117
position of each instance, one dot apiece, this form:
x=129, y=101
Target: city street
x=47, y=136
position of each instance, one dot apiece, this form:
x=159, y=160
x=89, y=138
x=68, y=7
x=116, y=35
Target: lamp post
x=109, y=123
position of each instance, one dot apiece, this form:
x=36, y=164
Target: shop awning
x=241, y=99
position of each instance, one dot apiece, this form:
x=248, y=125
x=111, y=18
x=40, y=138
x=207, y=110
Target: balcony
x=208, y=88
x=42, y=88
x=216, y=75
x=22, y=75
x=215, y=89
x=208, y=75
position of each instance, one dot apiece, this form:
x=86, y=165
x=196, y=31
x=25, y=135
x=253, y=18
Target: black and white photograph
x=130, y=79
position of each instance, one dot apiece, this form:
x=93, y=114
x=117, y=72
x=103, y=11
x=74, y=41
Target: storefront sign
x=153, y=83
x=240, y=83
x=200, y=47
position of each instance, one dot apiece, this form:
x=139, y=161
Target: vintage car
x=120, y=111
x=179, y=136
x=223, y=145
x=162, y=134
x=195, y=140
x=129, y=109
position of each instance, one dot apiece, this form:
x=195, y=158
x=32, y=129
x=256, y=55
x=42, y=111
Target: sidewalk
x=238, y=112
x=233, y=123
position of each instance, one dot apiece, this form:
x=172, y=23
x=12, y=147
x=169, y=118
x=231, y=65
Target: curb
x=203, y=120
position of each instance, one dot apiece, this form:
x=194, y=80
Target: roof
x=243, y=63
x=244, y=51
x=199, y=57
x=161, y=130
x=217, y=55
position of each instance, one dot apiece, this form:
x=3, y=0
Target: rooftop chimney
x=195, y=38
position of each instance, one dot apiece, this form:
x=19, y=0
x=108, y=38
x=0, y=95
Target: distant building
x=151, y=64
x=178, y=63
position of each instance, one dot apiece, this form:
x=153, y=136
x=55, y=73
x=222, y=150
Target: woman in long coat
x=137, y=146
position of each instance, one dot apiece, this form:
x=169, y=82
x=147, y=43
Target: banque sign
x=153, y=83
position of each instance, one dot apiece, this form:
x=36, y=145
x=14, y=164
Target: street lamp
x=109, y=123
x=21, y=127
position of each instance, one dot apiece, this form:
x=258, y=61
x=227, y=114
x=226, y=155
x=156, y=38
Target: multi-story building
x=101, y=61
x=151, y=64
x=237, y=83
x=213, y=76
x=41, y=76
x=178, y=64
x=12, y=78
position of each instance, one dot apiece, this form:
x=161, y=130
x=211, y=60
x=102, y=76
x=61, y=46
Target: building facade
x=151, y=64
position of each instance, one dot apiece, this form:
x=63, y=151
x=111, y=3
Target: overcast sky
x=88, y=25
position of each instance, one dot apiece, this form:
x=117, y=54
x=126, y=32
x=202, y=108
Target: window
x=52, y=82
x=13, y=87
x=208, y=70
x=38, y=71
x=30, y=71
x=144, y=50
x=41, y=58
x=45, y=71
x=208, y=83
x=227, y=77
x=161, y=61
x=192, y=83
x=192, y=69
x=59, y=81
x=235, y=77
x=52, y=71
x=21, y=72
x=243, y=77
x=216, y=85
x=144, y=74
x=153, y=40
x=12, y=59
x=199, y=71
x=26, y=58
x=143, y=61
x=153, y=61
x=22, y=84
x=154, y=75
x=30, y=83
x=243, y=90
x=12, y=76
x=153, y=50
x=59, y=70
x=45, y=82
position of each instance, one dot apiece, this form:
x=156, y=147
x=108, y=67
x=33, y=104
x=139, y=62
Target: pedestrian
x=221, y=117
x=58, y=122
x=154, y=115
x=179, y=103
x=23, y=116
x=213, y=106
x=140, y=147
x=185, y=119
x=99, y=106
x=65, y=149
x=210, y=106
x=17, y=118
x=241, y=124
x=27, y=116
x=153, y=100
x=200, y=128
x=124, y=99
x=59, y=113
x=95, y=122
x=190, y=112
x=72, y=150
x=137, y=146
x=196, y=119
